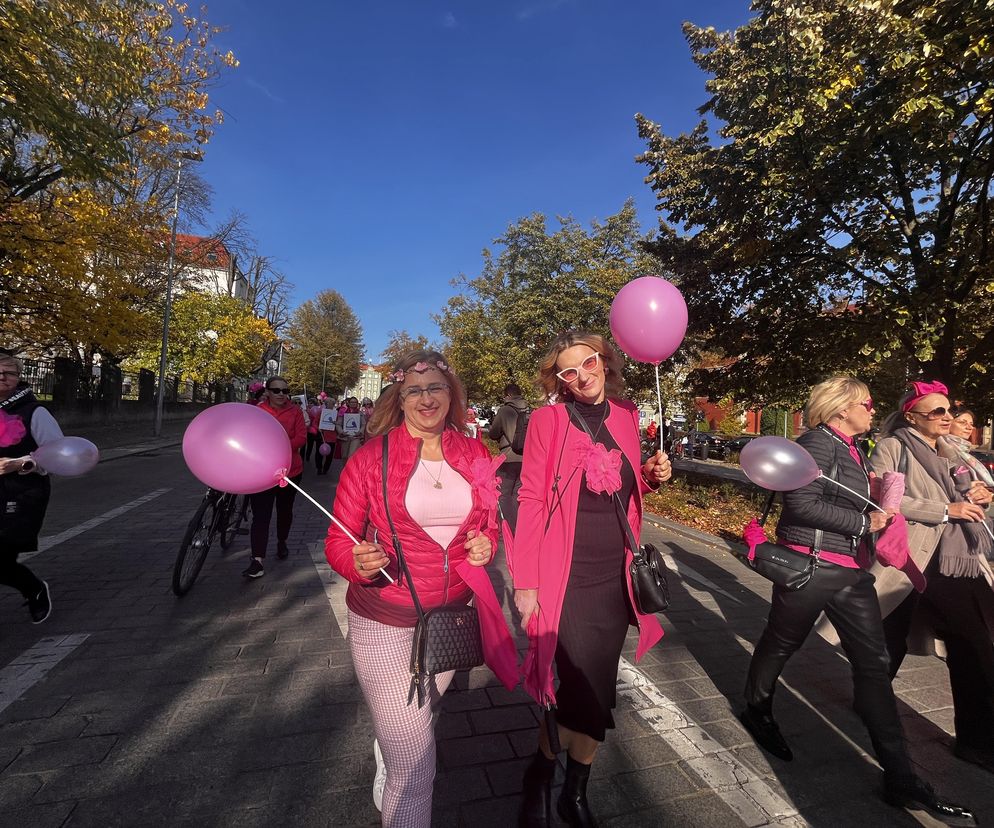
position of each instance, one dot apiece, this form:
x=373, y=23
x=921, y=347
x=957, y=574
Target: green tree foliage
x=322, y=327
x=211, y=338
x=538, y=284
x=840, y=217
x=401, y=343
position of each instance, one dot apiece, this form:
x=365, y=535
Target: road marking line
x=740, y=787
x=334, y=585
x=54, y=540
x=32, y=665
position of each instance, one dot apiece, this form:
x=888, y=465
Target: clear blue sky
x=376, y=147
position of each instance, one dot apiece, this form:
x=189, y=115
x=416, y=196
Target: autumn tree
x=538, y=284
x=835, y=212
x=399, y=344
x=212, y=338
x=325, y=340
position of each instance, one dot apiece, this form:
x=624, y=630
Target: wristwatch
x=28, y=466
x=945, y=515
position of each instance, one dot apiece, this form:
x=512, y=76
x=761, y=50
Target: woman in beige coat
x=951, y=547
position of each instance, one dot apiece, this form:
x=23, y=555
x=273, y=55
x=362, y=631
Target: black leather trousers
x=850, y=602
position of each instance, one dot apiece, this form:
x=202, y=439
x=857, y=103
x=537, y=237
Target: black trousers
x=18, y=576
x=262, y=515
x=850, y=602
x=313, y=440
x=510, y=482
x=953, y=608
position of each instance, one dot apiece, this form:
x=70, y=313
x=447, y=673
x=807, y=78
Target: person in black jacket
x=503, y=429
x=837, y=526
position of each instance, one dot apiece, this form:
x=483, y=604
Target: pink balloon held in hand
x=67, y=457
x=649, y=319
x=778, y=464
x=236, y=448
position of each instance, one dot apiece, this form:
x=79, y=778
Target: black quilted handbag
x=445, y=638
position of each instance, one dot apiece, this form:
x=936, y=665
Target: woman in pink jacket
x=570, y=559
x=442, y=493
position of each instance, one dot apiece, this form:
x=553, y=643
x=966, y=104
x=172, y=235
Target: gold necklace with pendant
x=437, y=481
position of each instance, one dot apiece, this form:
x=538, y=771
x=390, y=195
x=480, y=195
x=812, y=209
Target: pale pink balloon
x=649, y=319
x=324, y=449
x=67, y=457
x=778, y=464
x=237, y=448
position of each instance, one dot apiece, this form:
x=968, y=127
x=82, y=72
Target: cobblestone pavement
x=237, y=704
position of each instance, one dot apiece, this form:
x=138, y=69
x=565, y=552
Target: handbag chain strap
x=619, y=507
x=393, y=534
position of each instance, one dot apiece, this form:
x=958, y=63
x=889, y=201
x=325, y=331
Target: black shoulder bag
x=786, y=567
x=445, y=638
x=649, y=586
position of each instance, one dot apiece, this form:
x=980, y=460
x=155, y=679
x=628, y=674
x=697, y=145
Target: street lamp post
x=160, y=395
x=324, y=370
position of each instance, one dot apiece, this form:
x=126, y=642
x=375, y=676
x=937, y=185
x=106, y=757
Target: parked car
x=740, y=442
x=717, y=448
x=985, y=457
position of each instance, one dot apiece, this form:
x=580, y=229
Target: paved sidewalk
x=237, y=705
x=126, y=439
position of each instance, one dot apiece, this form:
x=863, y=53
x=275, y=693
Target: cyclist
x=277, y=402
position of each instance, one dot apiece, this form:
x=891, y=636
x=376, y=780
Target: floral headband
x=420, y=368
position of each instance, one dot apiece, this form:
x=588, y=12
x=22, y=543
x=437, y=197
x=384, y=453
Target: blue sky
x=376, y=147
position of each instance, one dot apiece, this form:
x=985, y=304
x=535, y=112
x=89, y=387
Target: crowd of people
x=419, y=508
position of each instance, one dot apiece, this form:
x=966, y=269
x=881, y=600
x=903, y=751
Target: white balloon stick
x=334, y=520
x=659, y=399
x=857, y=494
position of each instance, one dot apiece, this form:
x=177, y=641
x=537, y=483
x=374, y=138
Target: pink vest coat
x=541, y=559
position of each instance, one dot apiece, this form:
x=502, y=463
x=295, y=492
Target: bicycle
x=219, y=515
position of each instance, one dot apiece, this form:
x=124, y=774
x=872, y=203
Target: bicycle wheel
x=195, y=546
x=228, y=519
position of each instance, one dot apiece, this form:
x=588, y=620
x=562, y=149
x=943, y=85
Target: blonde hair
x=389, y=410
x=828, y=398
x=614, y=382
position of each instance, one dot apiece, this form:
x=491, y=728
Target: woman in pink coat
x=570, y=559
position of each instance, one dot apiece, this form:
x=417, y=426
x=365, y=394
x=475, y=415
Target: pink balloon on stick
x=68, y=456
x=778, y=464
x=649, y=319
x=237, y=448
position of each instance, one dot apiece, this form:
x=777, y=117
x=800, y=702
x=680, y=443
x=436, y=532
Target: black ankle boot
x=572, y=804
x=536, y=805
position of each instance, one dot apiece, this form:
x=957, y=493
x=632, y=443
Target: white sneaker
x=380, y=780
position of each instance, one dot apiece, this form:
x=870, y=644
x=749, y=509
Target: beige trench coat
x=923, y=507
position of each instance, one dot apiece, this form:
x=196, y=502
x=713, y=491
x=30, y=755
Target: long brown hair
x=389, y=410
x=614, y=382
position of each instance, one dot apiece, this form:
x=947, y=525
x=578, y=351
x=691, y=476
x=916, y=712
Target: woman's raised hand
x=966, y=511
x=657, y=469
x=479, y=550
x=368, y=558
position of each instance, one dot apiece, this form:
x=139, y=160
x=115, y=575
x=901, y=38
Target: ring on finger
x=361, y=565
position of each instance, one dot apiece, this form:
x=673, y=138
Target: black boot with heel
x=572, y=804
x=536, y=804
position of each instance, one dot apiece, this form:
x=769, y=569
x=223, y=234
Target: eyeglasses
x=588, y=366
x=867, y=403
x=934, y=414
x=5, y=374
x=278, y=390
x=436, y=389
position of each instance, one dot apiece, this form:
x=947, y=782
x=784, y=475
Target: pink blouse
x=439, y=510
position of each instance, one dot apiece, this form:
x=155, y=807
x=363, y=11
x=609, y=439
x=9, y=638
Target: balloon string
x=334, y=520
x=659, y=399
x=857, y=494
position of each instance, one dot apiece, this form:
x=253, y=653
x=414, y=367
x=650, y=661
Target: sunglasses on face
x=935, y=414
x=588, y=366
x=278, y=390
x=867, y=403
x=436, y=389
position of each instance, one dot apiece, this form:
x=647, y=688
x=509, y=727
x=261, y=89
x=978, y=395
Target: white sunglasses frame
x=579, y=368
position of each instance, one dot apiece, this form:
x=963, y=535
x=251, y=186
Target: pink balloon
x=237, y=448
x=68, y=457
x=778, y=464
x=324, y=449
x=649, y=319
